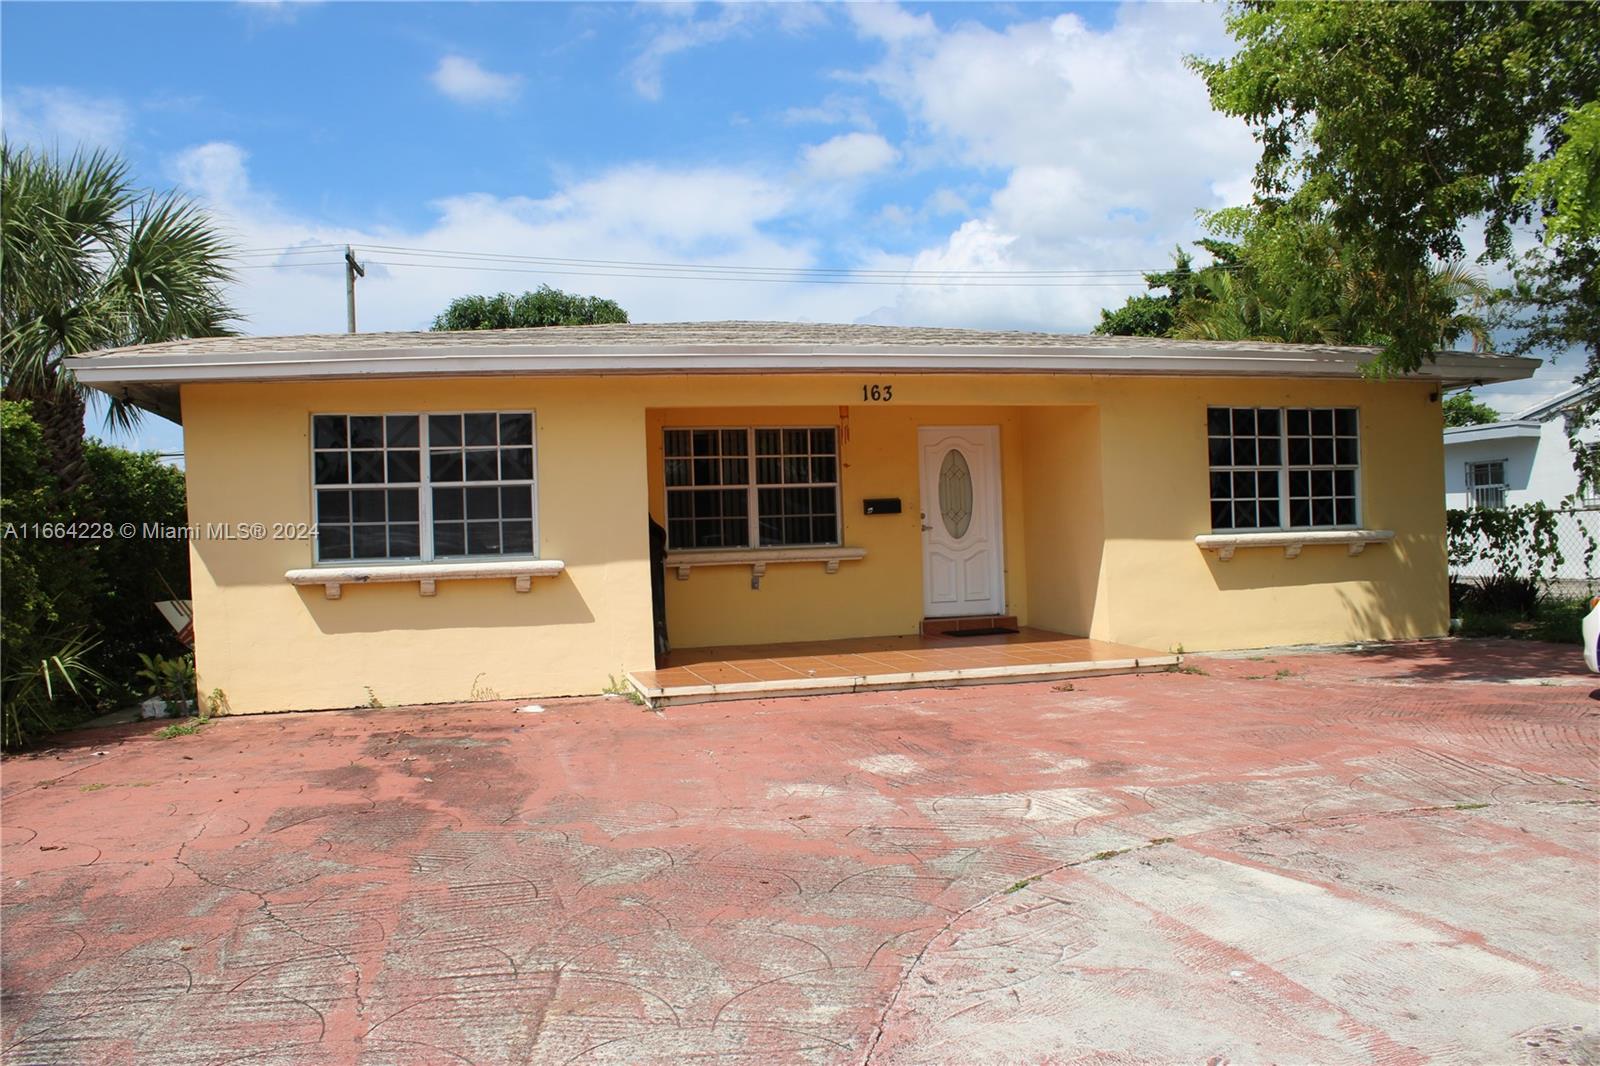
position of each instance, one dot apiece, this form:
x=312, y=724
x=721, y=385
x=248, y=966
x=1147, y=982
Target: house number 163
x=877, y=393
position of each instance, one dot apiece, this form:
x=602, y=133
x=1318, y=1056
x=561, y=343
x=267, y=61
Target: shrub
x=1518, y=541
x=134, y=572
x=76, y=614
x=1503, y=594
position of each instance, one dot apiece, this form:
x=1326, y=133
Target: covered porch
x=803, y=526
x=821, y=667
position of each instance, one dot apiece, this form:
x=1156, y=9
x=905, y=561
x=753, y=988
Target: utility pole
x=352, y=271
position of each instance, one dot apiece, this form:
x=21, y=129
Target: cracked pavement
x=1382, y=856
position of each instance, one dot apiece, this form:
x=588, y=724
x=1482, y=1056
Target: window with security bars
x=1486, y=484
x=419, y=487
x=746, y=487
x=1283, y=468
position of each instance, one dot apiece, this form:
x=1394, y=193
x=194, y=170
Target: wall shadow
x=478, y=604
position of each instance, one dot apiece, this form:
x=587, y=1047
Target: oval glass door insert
x=955, y=494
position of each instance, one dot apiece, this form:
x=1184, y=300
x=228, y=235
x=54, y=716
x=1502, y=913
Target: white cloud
x=639, y=213
x=678, y=28
x=62, y=119
x=947, y=202
x=214, y=171
x=681, y=35
x=1106, y=141
x=890, y=23
x=466, y=82
x=836, y=109
x=849, y=155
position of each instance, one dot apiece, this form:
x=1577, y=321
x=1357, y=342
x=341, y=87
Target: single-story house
x=1523, y=459
x=426, y=517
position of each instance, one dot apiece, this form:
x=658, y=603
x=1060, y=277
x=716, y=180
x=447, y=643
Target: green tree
x=544, y=307
x=1278, y=276
x=1401, y=123
x=1149, y=315
x=1554, y=301
x=89, y=604
x=134, y=572
x=1460, y=409
x=46, y=593
x=87, y=261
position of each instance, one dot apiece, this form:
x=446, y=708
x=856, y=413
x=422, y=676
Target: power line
x=723, y=271
x=730, y=267
x=777, y=279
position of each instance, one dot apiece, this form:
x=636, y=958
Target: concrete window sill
x=758, y=559
x=426, y=575
x=1292, y=541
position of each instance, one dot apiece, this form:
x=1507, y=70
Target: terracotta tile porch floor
x=757, y=671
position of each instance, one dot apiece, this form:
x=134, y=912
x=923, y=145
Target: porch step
x=819, y=668
x=936, y=627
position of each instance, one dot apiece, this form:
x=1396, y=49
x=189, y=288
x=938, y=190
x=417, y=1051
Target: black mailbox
x=885, y=505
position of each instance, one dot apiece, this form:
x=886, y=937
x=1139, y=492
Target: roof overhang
x=1492, y=431
x=149, y=377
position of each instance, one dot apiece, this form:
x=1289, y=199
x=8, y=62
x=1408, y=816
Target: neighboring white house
x=1526, y=459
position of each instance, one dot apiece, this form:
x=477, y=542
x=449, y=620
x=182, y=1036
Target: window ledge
x=334, y=578
x=1292, y=541
x=757, y=559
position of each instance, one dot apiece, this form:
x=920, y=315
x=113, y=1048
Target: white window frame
x=1283, y=467
x=1588, y=496
x=424, y=487
x=753, y=487
x=1476, y=489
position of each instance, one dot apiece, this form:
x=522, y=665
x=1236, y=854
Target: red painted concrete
x=1388, y=856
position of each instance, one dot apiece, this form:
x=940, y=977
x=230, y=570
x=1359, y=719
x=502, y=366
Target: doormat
x=992, y=631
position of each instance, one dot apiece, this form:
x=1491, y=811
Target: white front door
x=962, y=568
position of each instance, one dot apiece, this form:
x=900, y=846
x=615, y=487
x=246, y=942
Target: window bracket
x=758, y=559
x=1292, y=541
x=426, y=575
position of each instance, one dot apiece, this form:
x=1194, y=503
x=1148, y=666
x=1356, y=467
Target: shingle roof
x=1559, y=404
x=666, y=336
x=149, y=375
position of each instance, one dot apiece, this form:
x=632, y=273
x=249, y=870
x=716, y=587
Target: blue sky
x=940, y=137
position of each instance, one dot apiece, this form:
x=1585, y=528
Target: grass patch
x=621, y=687
x=1471, y=806
x=1020, y=885
x=1102, y=856
x=180, y=729
x=1162, y=840
x=1184, y=668
x=1555, y=621
x=92, y=788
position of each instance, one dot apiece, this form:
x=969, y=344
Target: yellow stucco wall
x=273, y=646
x=1104, y=488
x=1161, y=591
x=877, y=596
x=1064, y=519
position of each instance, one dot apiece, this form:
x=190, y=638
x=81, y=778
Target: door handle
x=927, y=529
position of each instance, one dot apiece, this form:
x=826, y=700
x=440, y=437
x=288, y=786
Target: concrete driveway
x=1387, y=856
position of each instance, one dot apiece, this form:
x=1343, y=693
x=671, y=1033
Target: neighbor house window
x=1588, y=464
x=423, y=486
x=1486, y=485
x=741, y=488
x=1283, y=467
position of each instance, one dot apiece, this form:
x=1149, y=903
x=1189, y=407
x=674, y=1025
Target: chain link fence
x=1558, y=548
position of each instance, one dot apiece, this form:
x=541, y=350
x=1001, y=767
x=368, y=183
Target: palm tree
x=1239, y=305
x=88, y=262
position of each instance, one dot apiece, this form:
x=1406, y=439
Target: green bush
x=134, y=572
x=1556, y=621
x=76, y=614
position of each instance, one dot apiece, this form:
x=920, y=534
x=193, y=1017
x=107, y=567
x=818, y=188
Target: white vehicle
x=1591, y=635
